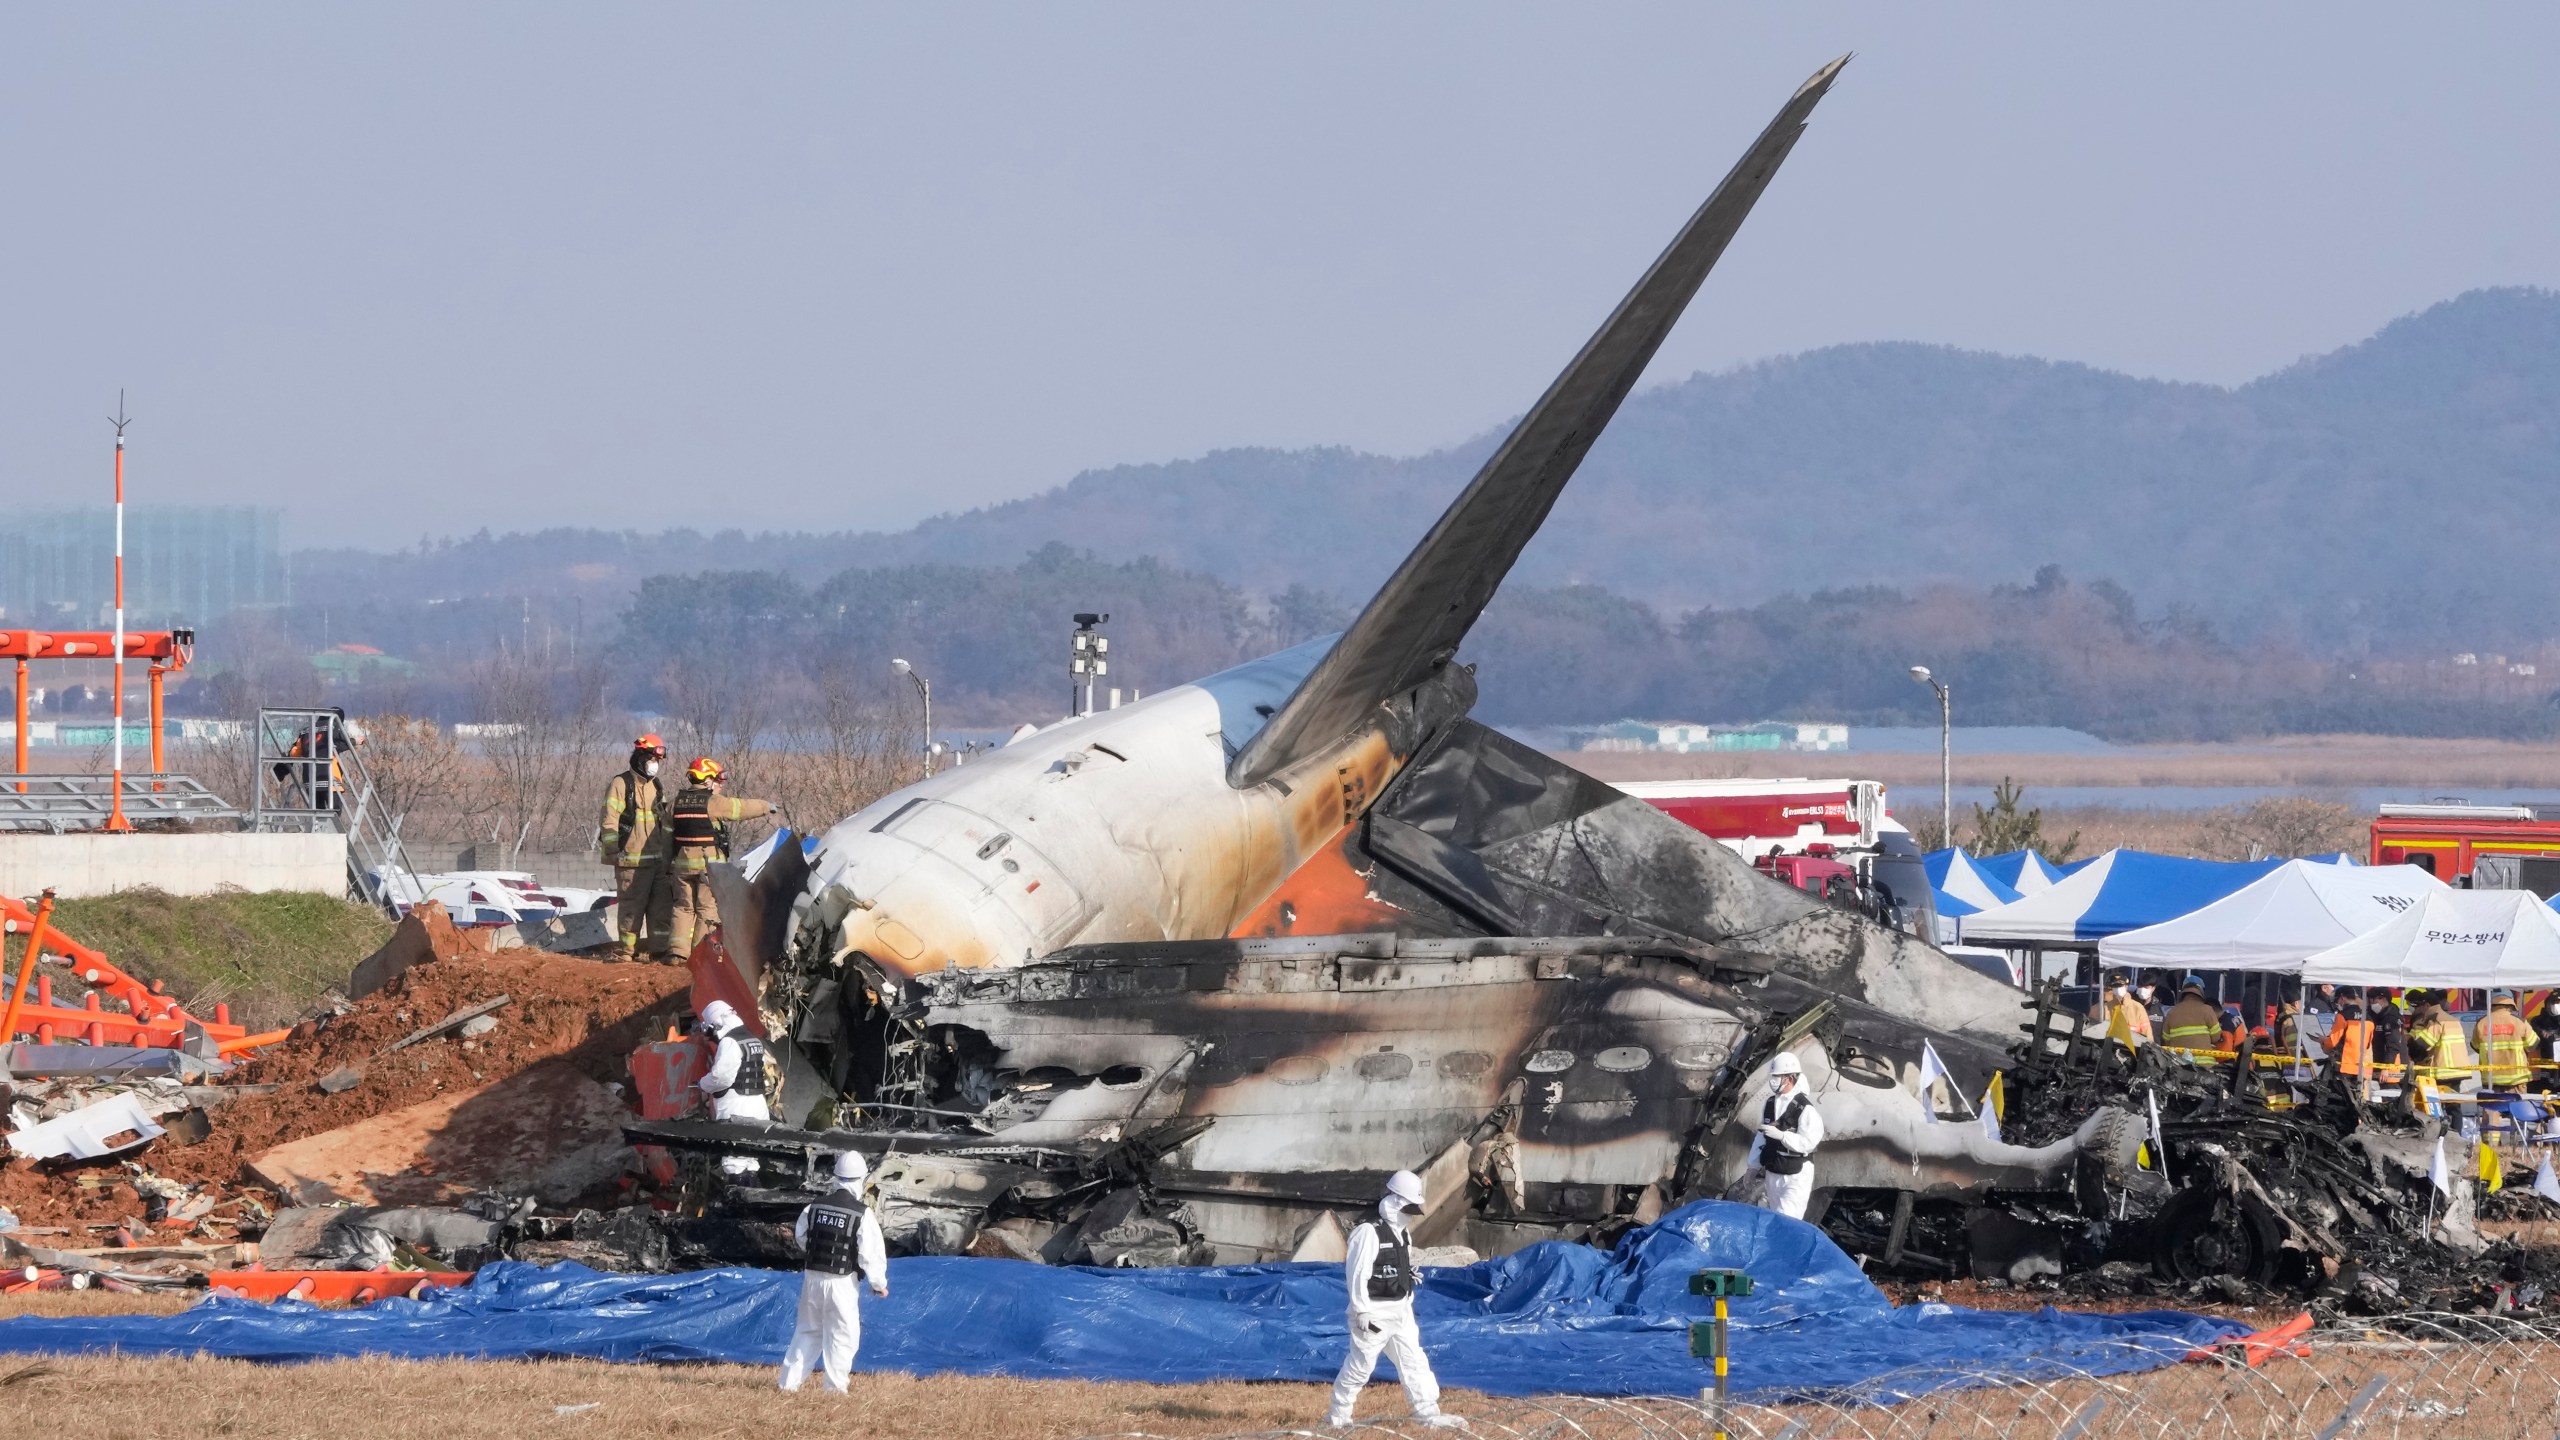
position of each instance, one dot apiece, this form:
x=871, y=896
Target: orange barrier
x=150, y=1016
x=359, y=1287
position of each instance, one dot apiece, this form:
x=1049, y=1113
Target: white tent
x=2455, y=938
x=2278, y=920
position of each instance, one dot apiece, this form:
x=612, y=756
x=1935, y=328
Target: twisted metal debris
x=2437, y=1376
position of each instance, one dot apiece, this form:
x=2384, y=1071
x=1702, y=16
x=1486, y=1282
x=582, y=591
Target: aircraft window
x=1385, y=1065
x=1465, y=1064
x=1705, y=1055
x=1622, y=1059
x=1121, y=1077
x=1549, y=1062
x=1299, y=1070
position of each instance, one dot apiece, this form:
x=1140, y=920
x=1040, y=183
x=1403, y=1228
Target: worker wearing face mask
x=1790, y=1130
x=636, y=841
x=2127, y=1020
x=1379, y=1272
x=738, y=1082
x=841, y=1237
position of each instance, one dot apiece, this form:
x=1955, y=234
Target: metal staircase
x=307, y=775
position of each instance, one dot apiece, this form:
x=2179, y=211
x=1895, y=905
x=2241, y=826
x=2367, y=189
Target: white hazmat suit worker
x=1379, y=1271
x=738, y=1082
x=840, y=1236
x=1790, y=1130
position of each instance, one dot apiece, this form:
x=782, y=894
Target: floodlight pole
x=115, y=804
x=924, y=688
x=1946, y=755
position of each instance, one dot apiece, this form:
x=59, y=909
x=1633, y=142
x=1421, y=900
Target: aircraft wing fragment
x=1414, y=624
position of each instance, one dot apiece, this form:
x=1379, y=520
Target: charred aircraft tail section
x=1412, y=627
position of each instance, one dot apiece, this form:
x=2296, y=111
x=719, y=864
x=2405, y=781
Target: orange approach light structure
x=167, y=650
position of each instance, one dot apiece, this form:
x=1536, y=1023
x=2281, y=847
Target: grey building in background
x=183, y=564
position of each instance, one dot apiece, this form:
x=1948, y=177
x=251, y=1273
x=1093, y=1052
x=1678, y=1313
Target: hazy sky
x=443, y=266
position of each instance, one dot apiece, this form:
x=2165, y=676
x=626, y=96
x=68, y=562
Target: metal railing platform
x=61, y=804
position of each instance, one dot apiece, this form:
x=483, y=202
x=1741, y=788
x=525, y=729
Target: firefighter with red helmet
x=698, y=825
x=635, y=840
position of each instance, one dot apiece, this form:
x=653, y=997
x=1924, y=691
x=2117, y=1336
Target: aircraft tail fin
x=1414, y=624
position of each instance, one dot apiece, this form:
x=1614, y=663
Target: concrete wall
x=77, y=865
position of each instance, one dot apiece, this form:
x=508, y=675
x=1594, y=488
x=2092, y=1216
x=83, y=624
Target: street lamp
x=1946, y=756
x=924, y=688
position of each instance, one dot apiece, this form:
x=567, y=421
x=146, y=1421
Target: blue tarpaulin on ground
x=1551, y=1319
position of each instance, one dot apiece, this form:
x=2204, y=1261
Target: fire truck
x=1829, y=837
x=2505, y=847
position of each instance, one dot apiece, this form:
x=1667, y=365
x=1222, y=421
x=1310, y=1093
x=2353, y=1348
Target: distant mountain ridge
x=2384, y=495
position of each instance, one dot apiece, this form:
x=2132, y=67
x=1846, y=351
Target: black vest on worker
x=1391, y=1275
x=835, y=1232
x=1775, y=1158
x=752, y=1078
x=689, y=820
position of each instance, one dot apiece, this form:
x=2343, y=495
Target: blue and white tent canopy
x=1962, y=885
x=2277, y=921
x=2118, y=891
x=2024, y=871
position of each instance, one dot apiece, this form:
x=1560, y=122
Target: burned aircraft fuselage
x=1303, y=922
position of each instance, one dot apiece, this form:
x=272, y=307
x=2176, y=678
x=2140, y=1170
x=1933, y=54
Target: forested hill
x=2385, y=494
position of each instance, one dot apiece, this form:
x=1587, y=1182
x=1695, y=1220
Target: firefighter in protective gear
x=2436, y=1039
x=1790, y=1130
x=2505, y=1042
x=2128, y=1023
x=2193, y=1023
x=633, y=839
x=841, y=1237
x=698, y=830
x=1379, y=1272
x=739, y=1084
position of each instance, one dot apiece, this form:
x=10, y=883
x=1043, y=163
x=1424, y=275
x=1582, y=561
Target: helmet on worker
x=2192, y=982
x=2501, y=997
x=646, y=752
x=1785, y=1073
x=704, y=771
x=851, y=1168
x=719, y=1017
x=1404, y=1193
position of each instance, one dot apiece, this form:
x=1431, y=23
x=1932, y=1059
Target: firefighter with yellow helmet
x=633, y=839
x=699, y=822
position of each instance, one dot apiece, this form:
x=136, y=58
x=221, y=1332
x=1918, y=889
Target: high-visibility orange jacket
x=2349, y=1041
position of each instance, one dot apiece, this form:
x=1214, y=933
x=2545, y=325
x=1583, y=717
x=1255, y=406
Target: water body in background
x=2210, y=797
x=1976, y=740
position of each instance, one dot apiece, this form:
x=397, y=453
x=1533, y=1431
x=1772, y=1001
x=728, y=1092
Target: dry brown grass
x=108, y=1398
x=2299, y=762
x=2485, y=1387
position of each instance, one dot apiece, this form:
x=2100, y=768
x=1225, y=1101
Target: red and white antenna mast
x=115, y=804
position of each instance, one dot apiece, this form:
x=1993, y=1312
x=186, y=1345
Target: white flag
x=2159, y=1145
x=2546, y=1184
x=2438, y=1173
x=1932, y=1070
x=1991, y=1119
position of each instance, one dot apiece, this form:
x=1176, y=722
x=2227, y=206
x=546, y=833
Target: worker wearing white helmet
x=1790, y=1130
x=738, y=1084
x=841, y=1237
x=1378, y=1270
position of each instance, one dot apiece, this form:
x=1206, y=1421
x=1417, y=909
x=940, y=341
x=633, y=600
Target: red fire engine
x=2455, y=840
x=1762, y=817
